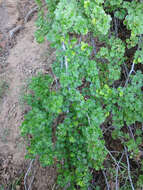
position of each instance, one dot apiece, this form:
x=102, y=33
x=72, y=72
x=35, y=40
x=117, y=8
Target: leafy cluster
x=96, y=92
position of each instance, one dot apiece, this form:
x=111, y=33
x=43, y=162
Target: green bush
x=95, y=89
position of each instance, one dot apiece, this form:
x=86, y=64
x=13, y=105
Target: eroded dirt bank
x=20, y=59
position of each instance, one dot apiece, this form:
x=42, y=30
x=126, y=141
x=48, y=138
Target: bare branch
x=112, y=157
x=53, y=187
x=129, y=172
x=16, y=29
x=106, y=181
x=13, y=31
x=66, y=62
x=132, y=70
x=93, y=45
x=31, y=181
x=117, y=170
x=88, y=119
x=133, y=65
x=35, y=9
x=132, y=135
x=117, y=183
x=25, y=177
x=116, y=26
x=126, y=72
x=108, y=129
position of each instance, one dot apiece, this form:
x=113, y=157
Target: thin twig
x=133, y=65
x=116, y=27
x=25, y=177
x=65, y=61
x=125, y=184
x=108, y=129
x=129, y=172
x=88, y=119
x=31, y=183
x=32, y=180
x=126, y=70
x=16, y=29
x=35, y=9
x=112, y=157
x=114, y=151
x=53, y=187
x=132, y=69
x=131, y=132
x=117, y=183
x=117, y=170
x=13, y=31
x=106, y=181
x=93, y=45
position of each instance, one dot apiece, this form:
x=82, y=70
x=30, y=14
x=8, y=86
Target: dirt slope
x=24, y=60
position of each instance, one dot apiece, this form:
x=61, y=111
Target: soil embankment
x=20, y=58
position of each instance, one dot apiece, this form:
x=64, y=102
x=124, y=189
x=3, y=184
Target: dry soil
x=20, y=59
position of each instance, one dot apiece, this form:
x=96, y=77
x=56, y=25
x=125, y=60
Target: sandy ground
x=17, y=64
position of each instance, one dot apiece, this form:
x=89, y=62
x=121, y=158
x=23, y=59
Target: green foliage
x=112, y=58
x=133, y=19
x=99, y=21
x=68, y=113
